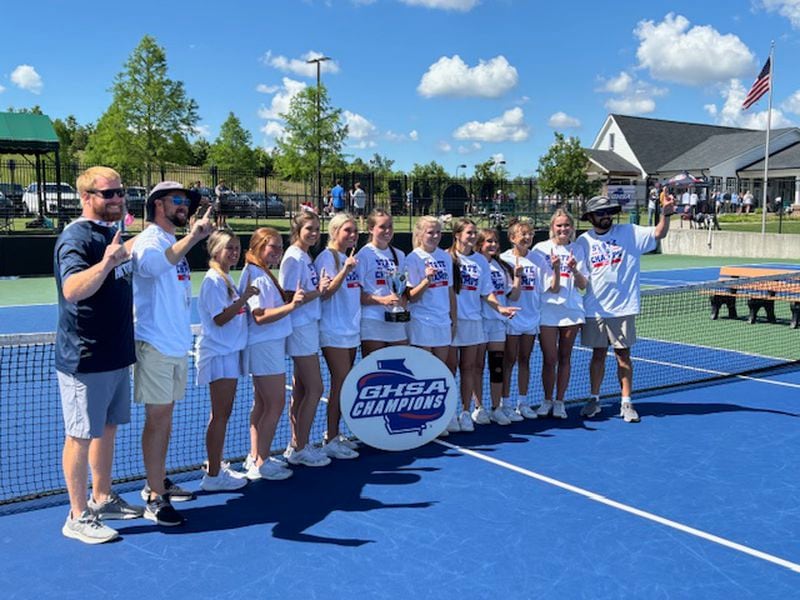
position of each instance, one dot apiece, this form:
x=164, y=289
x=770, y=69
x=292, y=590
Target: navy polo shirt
x=94, y=334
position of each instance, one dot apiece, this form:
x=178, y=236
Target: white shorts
x=495, y=330
x=428, y=335
x=328, y=339
x=266, y=358
x=383, y=331
x=469, y=333
x=304, y=340
x=213, y=367
x=561, y=316
x=514, y=328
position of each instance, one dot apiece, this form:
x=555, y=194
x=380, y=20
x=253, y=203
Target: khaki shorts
x=599, y=332
x=158, y=378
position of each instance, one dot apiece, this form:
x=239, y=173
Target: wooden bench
x=759, y=294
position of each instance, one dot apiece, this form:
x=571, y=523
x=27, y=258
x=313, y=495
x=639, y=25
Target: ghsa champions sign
x=398, y=398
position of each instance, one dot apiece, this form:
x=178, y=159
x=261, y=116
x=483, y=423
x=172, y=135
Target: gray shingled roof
x=788, y=158
x=612, y=162
x=717, y=149
x=656, y=142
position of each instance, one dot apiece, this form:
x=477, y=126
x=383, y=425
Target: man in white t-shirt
x=612, y=296
x=162, y=297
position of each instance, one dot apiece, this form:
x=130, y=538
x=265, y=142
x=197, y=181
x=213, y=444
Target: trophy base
x=397, y=317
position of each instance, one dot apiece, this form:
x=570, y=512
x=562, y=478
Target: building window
x=610, y=141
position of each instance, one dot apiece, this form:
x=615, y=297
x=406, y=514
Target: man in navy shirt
x=94, y=350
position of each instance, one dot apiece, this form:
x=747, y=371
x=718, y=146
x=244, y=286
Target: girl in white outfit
x=377, y=261
x=297, y=273
x=562, y=310
x=268, y=327
x=340, y=325
x=223, y=335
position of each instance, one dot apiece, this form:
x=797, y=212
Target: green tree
x=150, y=111
x=429, y=182
x=34, y=110
x=72, y=138
x=265, y=161
x=200, y=149
x=562, y=169
x=298, y=147
x=233, y=155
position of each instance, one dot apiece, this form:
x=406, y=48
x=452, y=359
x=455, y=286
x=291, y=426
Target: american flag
x=759, y=88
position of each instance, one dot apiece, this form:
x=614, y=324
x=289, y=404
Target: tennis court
x=698, y=500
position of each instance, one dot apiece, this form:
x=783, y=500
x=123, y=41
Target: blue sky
x=455, y=81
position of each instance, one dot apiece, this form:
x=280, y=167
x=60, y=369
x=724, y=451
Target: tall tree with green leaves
x=562, y=169
x=233, y=155
x=298, y=147
x=72, y=140
x=150, y=110
x=429, y=182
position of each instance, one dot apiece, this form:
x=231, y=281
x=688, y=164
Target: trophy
x=397, y=284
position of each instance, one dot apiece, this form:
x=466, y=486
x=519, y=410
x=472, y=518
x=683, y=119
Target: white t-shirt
x=269, y=296
x=476, y=281
x=341, y=313
x=359, y=198
x=565, y=307
x=374, y=265
x=685, y=198
x=297, y=266
x=501, y=286
x=536, y=276
x=162, y=294
x=693, y=199
x=613, y=265
x=434, y=305
x=215, y=296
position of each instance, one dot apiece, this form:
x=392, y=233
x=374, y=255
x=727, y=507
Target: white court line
x=626, y=508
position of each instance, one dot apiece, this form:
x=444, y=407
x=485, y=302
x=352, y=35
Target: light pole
x=460, y=167
x=318, y=61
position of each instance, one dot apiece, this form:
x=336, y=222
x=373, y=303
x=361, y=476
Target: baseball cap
x=598, y=203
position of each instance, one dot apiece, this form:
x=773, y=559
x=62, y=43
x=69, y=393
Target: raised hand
x=517, y=268
x=430, y=271
x=572, y=262
x=555, y=261
x=299, y=295
x=351, y=262
x=668, y=205
x=324, y=282
x=203, y=226
x=115, y=253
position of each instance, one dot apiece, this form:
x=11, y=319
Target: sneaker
x=273, y=470
x=114, y=507
x=337, y=449
x=160, y=510
x=559, y=410
x=544, y=408
x=175, y=492
x=252, y=473
x=352, y=444
x=224, y=481
x=525, y=410
x=226, y=466
x=481, y=416
x=289, y=453
x=249, y=461
x=591, y=408
x=628, y=413
x=499, y=416
x=310, y=457
x=88, y=528
x=444, y=433
x=511, y=413
x=453, y=426
x=465, y=422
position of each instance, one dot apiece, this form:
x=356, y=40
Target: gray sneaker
x=88, y=529
x=628, y=413
x=591, y=409
x=175, y=492
x=114, y=508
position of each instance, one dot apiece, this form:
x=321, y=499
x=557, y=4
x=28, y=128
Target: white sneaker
x=223, y=482
x=337, y=449
x=226, y=466
x=511, y=413
x=453, y=426
x=273, y=470
x=352, y=444
x=559, y=410
x=444, y=433
x=465, y=422
x=544, y=408
x=249, y=461
x=499, y=416
x=628, y=413
x=310, y=457
x=526, y=411
x=253, y=473
x=89, y=529
x=480, y=416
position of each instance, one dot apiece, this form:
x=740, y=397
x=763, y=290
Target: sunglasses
x=605, y=212
x=177, y=200
x=109, y=194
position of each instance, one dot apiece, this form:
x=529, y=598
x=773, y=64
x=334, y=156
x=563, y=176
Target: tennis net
x=678, y=344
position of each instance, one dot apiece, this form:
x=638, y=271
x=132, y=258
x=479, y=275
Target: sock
x=596, y=397
x=626, y=399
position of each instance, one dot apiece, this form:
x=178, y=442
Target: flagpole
x=766, y=145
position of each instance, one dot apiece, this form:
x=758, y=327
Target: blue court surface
x=688, y=276
x=699, y=500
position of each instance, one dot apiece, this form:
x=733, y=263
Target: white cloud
x=730, y=113
x=671, y=51
x=456, y=5
x=562, y=120
x=391, y=136
x=498, y=158
x=616, y=85
x=273, y=129
x=2, y=89
x=413, y=135
x=300, y=66
x=631, y=105
x=510, y=127
x=469, y=149
x=453, y=77
x=26, y=77
x=203, y=131
x=634, y=96
x=358, y=127
x=280, y=101
x=792, y=104
x=786, y=8
x=444, y=146
x=267, y=89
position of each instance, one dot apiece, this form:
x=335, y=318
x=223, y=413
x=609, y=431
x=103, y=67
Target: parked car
x=135, y=198
x=6, y=208
x=13, y=193
x=236, y=205
x=267, y=206
x=70, y=200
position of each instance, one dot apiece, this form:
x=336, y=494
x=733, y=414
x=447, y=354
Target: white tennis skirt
x=469, y=333
x=265, y=358
x=214, y=367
